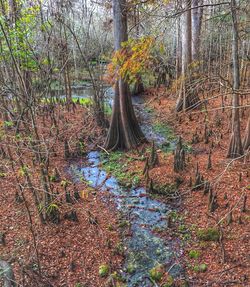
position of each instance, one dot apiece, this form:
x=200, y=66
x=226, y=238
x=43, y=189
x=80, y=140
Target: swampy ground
x=89, y=250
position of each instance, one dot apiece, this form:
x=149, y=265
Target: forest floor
x=216, y=244
x=72, y=252
x=215, y=241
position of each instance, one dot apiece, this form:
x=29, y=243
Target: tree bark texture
x=235, y=146
x=246, y=141
x=186, y=38
x=197, y=14
x=187, y=97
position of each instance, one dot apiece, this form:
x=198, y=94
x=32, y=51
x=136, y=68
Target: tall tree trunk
x=124, y=131
x=138, y=87
x=197, y=14
x=187, y=98
x=187, y=38
x=178, y=49
x=235, y=147
x=246, y=141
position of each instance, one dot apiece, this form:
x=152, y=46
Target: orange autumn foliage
x=133, y=59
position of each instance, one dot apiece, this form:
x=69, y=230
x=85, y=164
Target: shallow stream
x=144, y=248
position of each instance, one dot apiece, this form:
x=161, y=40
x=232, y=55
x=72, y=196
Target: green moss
x=110, y=227
x=136, y=180
x=149, y=110
x=196, y=268
x=186, y=236
x=116, y=164
x=116, y=277
x=164, y=130
x=103, y=270
x=188, y=147
x=156, y=273
x=87, y=102
x=182, y=228
x=52, y=178
x=175, y=216
x=158, y=251
x=131, y=268
x=113, y=164
x=200, y=268
x=107, y=110
x=193, y=227
x=8, y=124
x=194, y=254
x=208, y=234
x=203, y=267
x=123, y=224
x=169, y=282
x=119, y=249
x=247, y=217
x=167, y=189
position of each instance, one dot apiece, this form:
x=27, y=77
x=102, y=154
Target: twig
x=236, y=204
x=103, y=149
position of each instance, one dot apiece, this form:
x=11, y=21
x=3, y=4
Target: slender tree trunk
x=187, y=38
x=187, y=51
x=124, y=131
x=197, y=14
x=246, y=141
x=187, y=98
x=65, y=63
x=178, y=49
x=235, y=146
x=138, y=85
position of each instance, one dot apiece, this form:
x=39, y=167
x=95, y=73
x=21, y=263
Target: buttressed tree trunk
x=124, y=131
x=235, y=147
